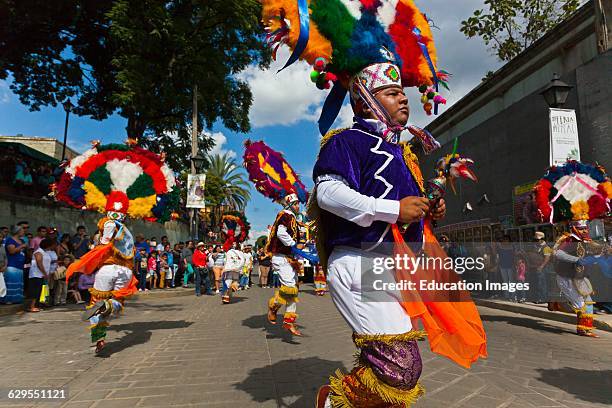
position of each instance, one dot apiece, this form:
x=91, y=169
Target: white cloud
x=282, y=98
x=220, y=140
x=255, y=234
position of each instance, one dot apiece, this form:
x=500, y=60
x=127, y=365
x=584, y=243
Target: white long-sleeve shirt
x=335, y=196
x=283, y=235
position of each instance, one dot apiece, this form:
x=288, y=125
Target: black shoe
x=97, y=308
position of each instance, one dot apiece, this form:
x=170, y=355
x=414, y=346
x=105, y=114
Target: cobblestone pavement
x=189, y=351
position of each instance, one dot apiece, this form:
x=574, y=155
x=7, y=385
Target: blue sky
x=285, y=107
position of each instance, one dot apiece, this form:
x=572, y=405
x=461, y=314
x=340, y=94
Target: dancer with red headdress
x=121, y=181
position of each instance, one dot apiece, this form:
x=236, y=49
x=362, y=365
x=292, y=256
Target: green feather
x=142, y=187
x=336, y=23
x=113, y=146
x=101, y=178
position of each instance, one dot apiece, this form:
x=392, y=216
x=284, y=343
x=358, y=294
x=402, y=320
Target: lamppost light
x=198, y=161
x=556, y=92
x=68, y=105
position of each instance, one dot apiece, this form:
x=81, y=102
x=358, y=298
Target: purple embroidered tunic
x=372, y=167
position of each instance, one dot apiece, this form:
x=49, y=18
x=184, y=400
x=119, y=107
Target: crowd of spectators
x=33, y=265
x=25, y=176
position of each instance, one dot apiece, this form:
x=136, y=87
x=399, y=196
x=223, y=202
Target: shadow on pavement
x=156, y=306
x=587, y=385
x=530, y=323
x=274, y=331
x=285, y=379
x=138, y=333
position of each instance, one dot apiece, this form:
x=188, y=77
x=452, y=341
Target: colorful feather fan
x=272, y=175
x=108, y=170
x=573, y=191
x=235, y=228
x=341, y=37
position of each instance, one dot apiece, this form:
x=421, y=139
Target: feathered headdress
x=121, y=178
x=235, y=228
x=272, y=175
x=339, y=38
x=574, y=191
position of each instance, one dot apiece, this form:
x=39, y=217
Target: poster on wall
x=564, y=143
x=525, y=210
x=195, y=190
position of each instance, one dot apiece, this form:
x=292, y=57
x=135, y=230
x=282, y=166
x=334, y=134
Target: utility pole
x=194, y=153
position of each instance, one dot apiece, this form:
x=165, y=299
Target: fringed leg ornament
x=584, y=318
x=289, y=296
x=99, y=322
x=386, y=375
x=274, y=304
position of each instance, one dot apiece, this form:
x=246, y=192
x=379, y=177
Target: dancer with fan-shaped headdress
x=576, y=193
x=276, y=179
x=122, y=181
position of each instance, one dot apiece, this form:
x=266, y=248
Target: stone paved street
x=188, y=351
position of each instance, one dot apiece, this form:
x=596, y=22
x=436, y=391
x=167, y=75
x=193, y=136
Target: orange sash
x=454, y=327
x=91, y=261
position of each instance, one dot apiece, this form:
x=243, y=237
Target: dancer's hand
x=439, y=211
x=413, y=209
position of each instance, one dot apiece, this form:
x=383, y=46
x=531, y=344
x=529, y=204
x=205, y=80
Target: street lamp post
x=67, y=107
x=556, y=92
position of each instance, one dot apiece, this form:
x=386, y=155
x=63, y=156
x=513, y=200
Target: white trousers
x=285, y=271
x=287, y=277
x=384, y=315
x=112, y=277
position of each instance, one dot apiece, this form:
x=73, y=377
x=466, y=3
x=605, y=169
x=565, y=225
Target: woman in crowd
x=39, y=271
x=15, y=246
x=264, y=267
x=65, y=246
x=50, y=279
x=59, y=276
x=218, y=268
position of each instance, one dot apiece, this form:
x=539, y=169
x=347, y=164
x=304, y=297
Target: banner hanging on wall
x=564, y=142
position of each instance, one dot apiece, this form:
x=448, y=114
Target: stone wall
x=39, y=212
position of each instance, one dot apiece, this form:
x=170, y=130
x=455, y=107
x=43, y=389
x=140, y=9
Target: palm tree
x=235, y=189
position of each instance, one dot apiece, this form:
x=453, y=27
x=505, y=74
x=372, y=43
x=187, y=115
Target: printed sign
x=563, y=136
x=195, y=190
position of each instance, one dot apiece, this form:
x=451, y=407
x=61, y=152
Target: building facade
x=47, y=145
x=503, y=124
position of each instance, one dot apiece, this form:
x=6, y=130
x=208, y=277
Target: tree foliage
x=227, y=182
x=139, y=58
x=510, y=26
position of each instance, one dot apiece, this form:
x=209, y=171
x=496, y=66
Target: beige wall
x=49, y=146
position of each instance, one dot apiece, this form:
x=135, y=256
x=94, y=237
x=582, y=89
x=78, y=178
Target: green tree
x=227, y=182
x=139, y=58
x=510, y=26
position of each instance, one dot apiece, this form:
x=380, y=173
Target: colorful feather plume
x=341, y=37
x=272, y=175
x=235, y=228
x=573, y=191
x=105, y=171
